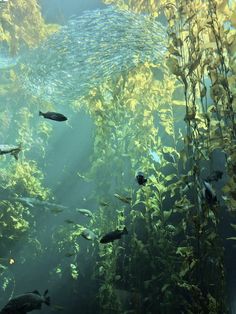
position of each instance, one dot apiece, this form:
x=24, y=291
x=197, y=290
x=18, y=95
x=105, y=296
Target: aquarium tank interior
x=118, y=156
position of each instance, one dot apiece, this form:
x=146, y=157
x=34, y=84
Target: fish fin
x=45, y=292
x=15, y=154
x=36, y=292
x=47, y=301
x=125, y=231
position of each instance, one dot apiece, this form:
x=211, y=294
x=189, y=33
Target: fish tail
x=47, y=301
x=125, y=231
x=40, y=113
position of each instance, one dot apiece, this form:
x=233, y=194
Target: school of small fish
x=90, y=49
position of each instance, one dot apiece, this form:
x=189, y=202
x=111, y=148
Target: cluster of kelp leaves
x=173, y=259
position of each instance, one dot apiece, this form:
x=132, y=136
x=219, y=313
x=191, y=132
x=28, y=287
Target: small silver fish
x=89, y=235
x=85, y=212
x=124, y=199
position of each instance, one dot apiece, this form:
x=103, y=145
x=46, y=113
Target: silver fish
x=32, y=202
x=89, y=235
x=85, y=212
x=95, y=44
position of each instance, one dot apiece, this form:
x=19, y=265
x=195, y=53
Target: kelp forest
x=172, y=121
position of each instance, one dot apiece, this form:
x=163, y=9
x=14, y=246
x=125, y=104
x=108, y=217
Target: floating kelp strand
x=90, y=49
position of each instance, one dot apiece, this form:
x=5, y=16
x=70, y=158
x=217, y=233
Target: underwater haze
x=117, y=157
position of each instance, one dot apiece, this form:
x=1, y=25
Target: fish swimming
x=89, y=234
x=32, y=202
x=53, y=116
x=140, y=178
x=113, y=235
x=25, y=303
x=10, y=149
x=215, y=176
x=123, y=199
x=103, y=203
x=85, y=212
x=209, y=193
x=69, y=221
x=88, y=50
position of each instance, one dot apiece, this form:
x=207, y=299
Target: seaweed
x=22, y=25
x=167, y=120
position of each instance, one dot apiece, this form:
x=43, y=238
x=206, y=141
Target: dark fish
x=53, y=116
x=56, y=210
x=140, y=178
x=25, y=303
x=10, y=149
x=215, y=176
x=113, y=235
x=68, y=221
x=209, y=193
x=70, y=254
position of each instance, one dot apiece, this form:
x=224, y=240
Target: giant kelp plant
x=184, y=262
x=173, y=121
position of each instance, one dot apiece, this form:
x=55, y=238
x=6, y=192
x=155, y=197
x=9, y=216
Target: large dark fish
x=10, y=149
x=215, y=176
x=25, y=303
x=53, y=116
x=114, y=235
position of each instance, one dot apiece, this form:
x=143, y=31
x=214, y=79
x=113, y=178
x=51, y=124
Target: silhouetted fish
x=53, y=116
x=10, y=149
x=25, y=303
x=114, y=235
x=140, y=178
x=215, y=176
